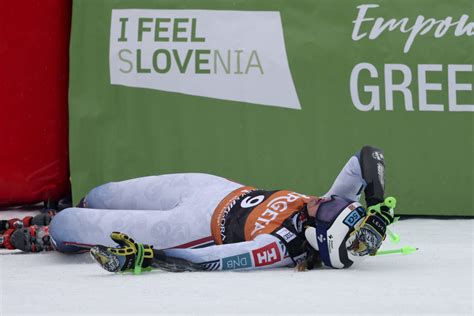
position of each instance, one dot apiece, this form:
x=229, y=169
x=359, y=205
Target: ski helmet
x=335, y=220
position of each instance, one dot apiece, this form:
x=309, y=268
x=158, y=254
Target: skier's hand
x=384, y=210
x=127, y=256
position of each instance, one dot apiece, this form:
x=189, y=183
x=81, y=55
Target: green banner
x=276, y=94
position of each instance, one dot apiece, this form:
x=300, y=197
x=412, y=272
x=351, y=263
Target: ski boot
x=5, y=239
x=11, y=239
x=42, y=219
x=30, y=239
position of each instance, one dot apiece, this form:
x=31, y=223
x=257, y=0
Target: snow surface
x=438, y=279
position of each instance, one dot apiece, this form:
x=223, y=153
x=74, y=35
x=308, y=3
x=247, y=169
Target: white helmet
x=335, y=220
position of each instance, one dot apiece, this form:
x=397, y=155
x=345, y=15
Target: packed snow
x=438, y=279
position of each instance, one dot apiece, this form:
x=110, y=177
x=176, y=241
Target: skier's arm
x=363, y=172
x=265, y=251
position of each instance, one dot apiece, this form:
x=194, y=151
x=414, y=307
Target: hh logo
x=266, y=255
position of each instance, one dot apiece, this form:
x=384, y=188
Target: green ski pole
x=404, y=251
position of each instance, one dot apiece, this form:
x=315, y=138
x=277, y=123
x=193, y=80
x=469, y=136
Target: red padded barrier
x=34, y=48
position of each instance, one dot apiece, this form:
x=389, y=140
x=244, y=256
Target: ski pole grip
x=390, y=202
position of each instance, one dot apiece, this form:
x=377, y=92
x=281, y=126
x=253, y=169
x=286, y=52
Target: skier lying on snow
x=190, y=222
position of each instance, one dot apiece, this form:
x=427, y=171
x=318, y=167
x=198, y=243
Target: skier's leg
x=164, y=192
x=186, y=225
x=349, y=183
x=363, y=172
x=76, y=228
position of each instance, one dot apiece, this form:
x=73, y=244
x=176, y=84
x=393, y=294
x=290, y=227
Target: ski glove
x=385, y=210
x=128, y=256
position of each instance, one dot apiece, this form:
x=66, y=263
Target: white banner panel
x=229, y=55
